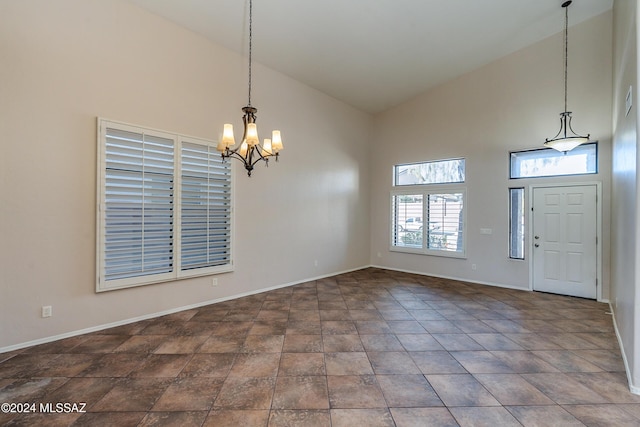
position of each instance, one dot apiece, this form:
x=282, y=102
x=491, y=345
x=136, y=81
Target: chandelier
x=249, y=151
x=566, y=139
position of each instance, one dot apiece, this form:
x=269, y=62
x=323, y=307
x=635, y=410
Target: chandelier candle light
x=249, y=151
x=566, y=139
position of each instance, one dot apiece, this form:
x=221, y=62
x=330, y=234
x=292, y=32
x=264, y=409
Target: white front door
x=565, y=240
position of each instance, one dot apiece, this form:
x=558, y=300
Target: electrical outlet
x=474, y=267
x=47, y=311
x=214, y=282
x=315, y=262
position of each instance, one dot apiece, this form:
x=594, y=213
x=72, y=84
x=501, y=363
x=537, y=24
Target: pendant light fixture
x=566, y=139
x=249, y=151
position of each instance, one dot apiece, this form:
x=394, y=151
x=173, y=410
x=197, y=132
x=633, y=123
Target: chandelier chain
x=566, y=53
x=250, y=45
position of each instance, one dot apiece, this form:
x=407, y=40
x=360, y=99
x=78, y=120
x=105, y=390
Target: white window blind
x=138, y=204
x=206, y=207
x=164, y=207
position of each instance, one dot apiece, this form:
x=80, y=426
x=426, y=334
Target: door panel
x=564, y=240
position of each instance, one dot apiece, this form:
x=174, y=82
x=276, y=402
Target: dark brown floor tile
x=381, y=342
x=246, y=393
x=352, y=363
x=85, y=390
x=457, y=342
x=255, y=365
x=602, y=415
x=408, y=391
x=484, y=417
x=421, y=417
x=395, y=314
x=161, y=365
x=222, y=344
x=611, y=385
x=440, y=327
x=263, y=344
x=605, y=359
x=236, y=418
x=533, y=341
x=128, y=329
x=512, y=389
x=109, y=419
x=341, y=343
x=99, y=344
x=437, y=362
x=543, y=416
x=54, y=347
x=196, y=328
x=140, y=344
x=338, y=327
x=301, y=364
x=68, y=365
x=299, y=327
x=163, y=327
x=461, y=390
x=302, y=343
x=233, y=328
x=563, y=389
x=299, y=418
x=365, y=315
x=114, y=365
x=43, y=419
x=189, y=394
x=209, y=365
x=304, y=312
x=361, y=417
x=406, y=327
x=361, y=391
x=132, y=394
x=369, y=327
x=177, y=419
x=427, y=314
x=567, y=361
x=481, y=362
x=303, y=392
x=419, y=342
x=495, y=342
x=392, y=362
x=266, y=327
x=29, y=389
x=524, y=362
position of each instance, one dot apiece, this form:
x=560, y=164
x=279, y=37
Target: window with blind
x=426, y=216
x=164, y=207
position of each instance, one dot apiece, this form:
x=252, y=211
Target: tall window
x=164, y=207
x=516, y=223
x=429, y=217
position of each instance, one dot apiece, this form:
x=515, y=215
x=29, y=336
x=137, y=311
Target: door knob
x=536, y=237
x=536, y=245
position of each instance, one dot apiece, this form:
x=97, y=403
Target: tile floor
x=368, y=348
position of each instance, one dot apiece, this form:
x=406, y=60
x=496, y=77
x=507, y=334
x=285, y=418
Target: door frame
x=529, y=219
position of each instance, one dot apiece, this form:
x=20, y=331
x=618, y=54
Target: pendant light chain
x=566, y=53
x=250, y=45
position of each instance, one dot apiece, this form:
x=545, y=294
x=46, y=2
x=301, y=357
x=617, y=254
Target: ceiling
x=375, y=54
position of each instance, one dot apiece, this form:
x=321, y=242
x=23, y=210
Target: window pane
x=138, y=211
x=549, y=162
x=438, y=172
x=516, y=223
x=407, y=220
x=206, y=207
x=445, y=225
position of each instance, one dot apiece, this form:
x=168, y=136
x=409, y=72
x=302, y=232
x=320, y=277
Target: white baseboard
x=459, y=279
x=164, y=313
x=632, y=388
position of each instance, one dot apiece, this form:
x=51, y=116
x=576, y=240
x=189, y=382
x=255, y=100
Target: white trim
x=459, y=279
x=632, y=388
x=165, y=312
x=529, y=219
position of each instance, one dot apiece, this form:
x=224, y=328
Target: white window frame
x=177, y=273
x=425, y=191
x=515, y=157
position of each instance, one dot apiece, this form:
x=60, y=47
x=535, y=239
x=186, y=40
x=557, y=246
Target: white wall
x=625, y=254
x=510, y=104
x=65, y=62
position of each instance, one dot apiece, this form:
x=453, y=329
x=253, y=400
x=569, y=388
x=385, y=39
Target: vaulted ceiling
x=375, y=54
